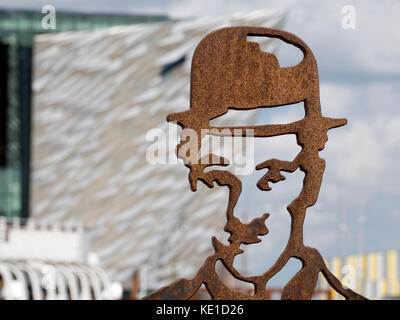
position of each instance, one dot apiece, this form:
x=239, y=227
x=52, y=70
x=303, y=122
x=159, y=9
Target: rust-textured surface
x=228, y=72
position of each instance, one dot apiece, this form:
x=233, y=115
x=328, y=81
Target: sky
x=359, y=71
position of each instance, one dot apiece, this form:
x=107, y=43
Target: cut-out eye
x=287, y=54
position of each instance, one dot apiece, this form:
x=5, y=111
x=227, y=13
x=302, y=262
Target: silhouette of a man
x=228, y=72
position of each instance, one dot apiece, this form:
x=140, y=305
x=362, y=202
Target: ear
x=179, y=117
x=173, y=117
x=334, y=123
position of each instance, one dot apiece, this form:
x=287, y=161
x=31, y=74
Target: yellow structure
x=375, y=274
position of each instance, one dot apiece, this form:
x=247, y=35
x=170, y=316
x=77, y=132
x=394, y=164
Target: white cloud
x=190, y=8
x=336, y=99
x=365, y=151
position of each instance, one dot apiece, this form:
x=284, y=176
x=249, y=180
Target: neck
x=296, y=230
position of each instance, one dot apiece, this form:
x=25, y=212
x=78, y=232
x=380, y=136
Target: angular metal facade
x=17, y=29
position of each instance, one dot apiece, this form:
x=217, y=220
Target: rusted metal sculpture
x=228, y=72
